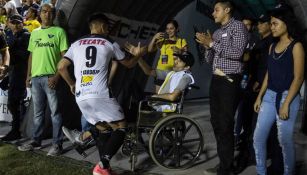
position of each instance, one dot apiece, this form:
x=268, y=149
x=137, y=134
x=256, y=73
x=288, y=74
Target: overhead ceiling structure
x=75, y=12
x=254, y=8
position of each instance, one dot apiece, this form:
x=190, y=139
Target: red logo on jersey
x=92, y=42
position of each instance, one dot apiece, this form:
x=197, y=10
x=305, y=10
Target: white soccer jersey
x=91, y=56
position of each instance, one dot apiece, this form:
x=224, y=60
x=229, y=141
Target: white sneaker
x=55, y=150
x=73, y=135
x=30, y=146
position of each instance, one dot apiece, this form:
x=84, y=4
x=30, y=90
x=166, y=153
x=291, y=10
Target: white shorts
x=101, y=109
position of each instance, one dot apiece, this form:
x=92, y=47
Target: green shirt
x=46, y=46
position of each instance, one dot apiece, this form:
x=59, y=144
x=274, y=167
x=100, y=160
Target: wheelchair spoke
x=187, y=130
x=177, y=156
x=170, y=153
x=187, y=151
x=176, y=142
x=168, y=135
x=191, y=140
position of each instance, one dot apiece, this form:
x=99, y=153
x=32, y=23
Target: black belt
x=47, y=75
x=229, y=77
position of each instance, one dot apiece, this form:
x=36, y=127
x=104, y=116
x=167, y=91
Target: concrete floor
x=198, y=110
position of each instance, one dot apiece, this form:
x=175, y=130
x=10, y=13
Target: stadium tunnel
x=139, y=20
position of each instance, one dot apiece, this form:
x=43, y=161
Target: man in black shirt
x=17, y=74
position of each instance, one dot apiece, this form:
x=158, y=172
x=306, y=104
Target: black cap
x=283, y=12
x=282, y=7
x=16, y=18
x=263, y=18
x=186, y=57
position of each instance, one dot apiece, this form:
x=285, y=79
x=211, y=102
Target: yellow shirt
x=31, y=25
x=3, y=19
x=166, y=60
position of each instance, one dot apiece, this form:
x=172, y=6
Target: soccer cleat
x=102, y=171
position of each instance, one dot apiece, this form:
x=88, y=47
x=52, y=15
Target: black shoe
x=12, y=135
x=240, y=168
x=272, y=171
x=241, y=163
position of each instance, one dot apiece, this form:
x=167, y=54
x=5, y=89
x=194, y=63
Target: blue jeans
x=40, y=91
x=85, y=125
x=267, y=116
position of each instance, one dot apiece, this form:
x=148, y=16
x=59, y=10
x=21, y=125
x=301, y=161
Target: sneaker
x=30, y=146
x=73, y=135
x=11, y=136
x=55, y=150
x=102, y=171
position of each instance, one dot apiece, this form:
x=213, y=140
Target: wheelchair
x=172, y=139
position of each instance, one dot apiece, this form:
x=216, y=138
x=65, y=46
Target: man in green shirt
x=47, y=45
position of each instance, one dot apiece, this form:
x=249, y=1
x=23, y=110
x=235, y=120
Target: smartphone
x=166, y=36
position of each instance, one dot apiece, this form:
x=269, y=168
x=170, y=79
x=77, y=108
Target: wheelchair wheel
x=176, y=142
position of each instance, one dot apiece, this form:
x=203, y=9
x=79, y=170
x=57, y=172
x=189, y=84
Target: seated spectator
x=4, y=64
x=27, y=5
x=3, y=16
x=31, y=22
x=10, y=7
x=175, y=81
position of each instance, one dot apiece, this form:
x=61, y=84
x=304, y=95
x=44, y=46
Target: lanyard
x=168, y=77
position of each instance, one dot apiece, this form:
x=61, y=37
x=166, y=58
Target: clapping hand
x=204, y=38
x=135, y=51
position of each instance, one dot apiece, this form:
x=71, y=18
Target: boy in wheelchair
x=175, y=82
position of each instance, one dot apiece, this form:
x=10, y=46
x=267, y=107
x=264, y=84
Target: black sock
x=94, y=131
x=112, y=145
x=101, y=139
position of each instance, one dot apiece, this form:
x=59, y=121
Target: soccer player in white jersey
x=91, y=57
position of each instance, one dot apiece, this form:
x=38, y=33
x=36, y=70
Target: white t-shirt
x=91, y=56
x=10, y=5
x=18, y=3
